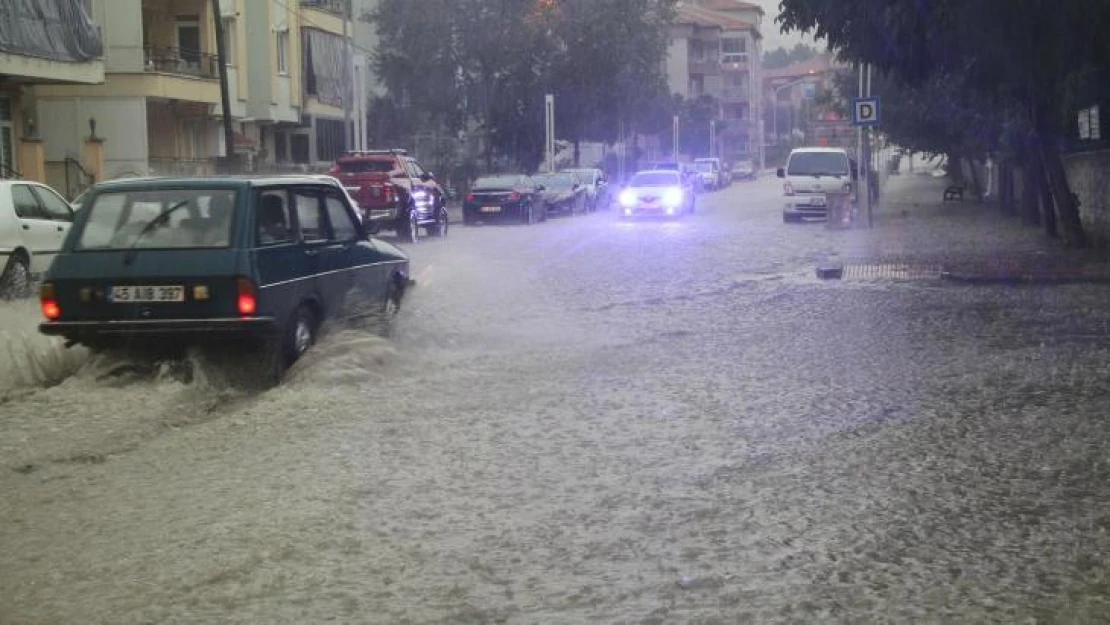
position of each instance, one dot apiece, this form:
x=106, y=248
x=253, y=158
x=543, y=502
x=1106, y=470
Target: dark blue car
x=161, y=264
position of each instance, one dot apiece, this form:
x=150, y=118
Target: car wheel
x=300, y=334
x=393, y=295
x=439, y=228
x=15, y=283
x=527, y=217
x=410, y=231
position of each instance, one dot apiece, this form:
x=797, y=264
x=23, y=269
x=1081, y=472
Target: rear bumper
x=217, y=329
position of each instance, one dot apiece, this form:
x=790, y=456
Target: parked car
x=809, y=174
x=258, y=263
x=562, y=193
x=394, y=192
x=596, y=185
x=710, y=172
x=658, y=193
x=34, y=220
x=743, y=169
x=505, y=196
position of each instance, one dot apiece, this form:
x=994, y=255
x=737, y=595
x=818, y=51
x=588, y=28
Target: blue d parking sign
x=865, y=111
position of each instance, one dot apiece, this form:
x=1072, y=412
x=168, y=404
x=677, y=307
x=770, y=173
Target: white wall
x=121, y=22
x=121, y=122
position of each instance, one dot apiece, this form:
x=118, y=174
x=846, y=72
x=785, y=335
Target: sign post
x=674, y=151
x=865, y=115
x=549, y=130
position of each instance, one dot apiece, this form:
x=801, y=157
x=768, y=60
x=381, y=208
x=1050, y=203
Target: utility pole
x=348, y=66
x=549, y=130
x=225, y=96
x=675, y=146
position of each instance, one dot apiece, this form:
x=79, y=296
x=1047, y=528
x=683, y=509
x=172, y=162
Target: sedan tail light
x=49, y=299
x=514, y=196
x=469, y=197
x=247, y=302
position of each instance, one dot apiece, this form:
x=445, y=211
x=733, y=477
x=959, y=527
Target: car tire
x=299, y=334
x=527, y=217
x=15, y=282
x=439, y=228
x=410, y=227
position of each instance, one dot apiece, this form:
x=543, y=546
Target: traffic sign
x=865, y=112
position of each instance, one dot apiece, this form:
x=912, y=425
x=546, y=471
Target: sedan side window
x=310, y=216
x=274, y=225
x=56, y=208
x=342, y=226
x=26, y=206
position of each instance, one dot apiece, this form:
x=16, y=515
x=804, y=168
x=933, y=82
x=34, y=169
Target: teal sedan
x=163, y=264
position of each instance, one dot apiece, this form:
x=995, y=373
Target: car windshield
x=654, y=179
x=497, y=182
x=191, y=218
x=703, y=166
x=557, y=180
x=363, y=166
x=818, y=164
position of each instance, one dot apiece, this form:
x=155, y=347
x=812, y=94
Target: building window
x=188, y=38
x=330, y=141
x=229, y=40
x=733, y=45
x=283, y=52
x=7, y=140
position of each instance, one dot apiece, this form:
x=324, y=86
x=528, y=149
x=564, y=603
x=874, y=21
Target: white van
x=809, y=174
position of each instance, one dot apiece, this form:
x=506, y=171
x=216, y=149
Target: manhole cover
x=892, y=271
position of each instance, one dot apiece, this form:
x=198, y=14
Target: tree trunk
x=1029, y=193
x=1067, y=204
x=1048, y=207
x=976, y=185
x=577, y=151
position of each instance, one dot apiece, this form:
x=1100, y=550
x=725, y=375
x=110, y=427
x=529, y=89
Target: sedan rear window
x=654, y=179
x=818, y=164
x=496, y=182
x=159, y=219
x=383, y=166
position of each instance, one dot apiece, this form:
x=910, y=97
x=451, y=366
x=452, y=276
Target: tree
x=603, y=60
x=1024, y=62
x=781, y=57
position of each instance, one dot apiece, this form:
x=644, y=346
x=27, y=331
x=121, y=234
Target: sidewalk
x=969, y=241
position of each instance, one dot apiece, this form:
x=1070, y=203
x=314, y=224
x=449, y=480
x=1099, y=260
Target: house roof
x=730, y=5
x=700, y=16
x=817, y=65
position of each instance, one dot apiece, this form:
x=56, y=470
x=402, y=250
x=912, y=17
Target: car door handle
x=61, y=229
x=26, y=227
x=311, y=252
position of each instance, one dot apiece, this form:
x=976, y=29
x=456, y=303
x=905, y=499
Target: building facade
x=31, y=58
x=716, y=50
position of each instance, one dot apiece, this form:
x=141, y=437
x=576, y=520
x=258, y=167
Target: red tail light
x=247, y=302
x=788, y=189
x=514, y=196
x=49, y=300
x=469, y=197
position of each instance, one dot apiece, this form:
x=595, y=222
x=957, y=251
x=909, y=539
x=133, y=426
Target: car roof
x=819, y=149
x=656, y=171
x=208, y=182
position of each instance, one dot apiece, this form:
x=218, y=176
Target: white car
x=594, y=180
x=710, y=172
x=657, y=193
x=810, y=174
x=34, y=221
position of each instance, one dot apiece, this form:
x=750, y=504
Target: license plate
x=147, y=294
x=491, y=209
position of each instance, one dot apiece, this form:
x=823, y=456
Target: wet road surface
x=590, y=421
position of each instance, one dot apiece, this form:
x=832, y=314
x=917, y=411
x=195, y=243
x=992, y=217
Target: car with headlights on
x=562, y=193
x=657, y=193
x=505, y=197
x=255, y=263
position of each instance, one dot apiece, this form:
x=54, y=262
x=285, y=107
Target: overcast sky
x=771, y=36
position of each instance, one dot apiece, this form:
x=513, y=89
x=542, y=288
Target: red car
x=394, y=192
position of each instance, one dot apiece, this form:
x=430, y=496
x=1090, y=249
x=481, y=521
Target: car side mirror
x=780, y=172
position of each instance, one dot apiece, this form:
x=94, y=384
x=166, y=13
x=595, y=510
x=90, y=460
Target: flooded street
x=591, y=421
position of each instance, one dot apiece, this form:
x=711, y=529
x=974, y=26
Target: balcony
x=735, y=60
x=334, y=6
x=734, y=93
x=167, y=60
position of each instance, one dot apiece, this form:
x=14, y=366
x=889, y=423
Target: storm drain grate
x=892, y=271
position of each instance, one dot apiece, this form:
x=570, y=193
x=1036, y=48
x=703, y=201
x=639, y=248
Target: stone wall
x=1089, y=178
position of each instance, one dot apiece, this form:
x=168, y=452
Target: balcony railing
x=181, y=61
x=734, y=58
x=335, y=6
x=736, y=94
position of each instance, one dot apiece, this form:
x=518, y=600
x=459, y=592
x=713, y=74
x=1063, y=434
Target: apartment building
x=30, y=57
x=715, y=50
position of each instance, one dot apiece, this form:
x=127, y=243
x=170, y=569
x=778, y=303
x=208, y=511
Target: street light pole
x=675, y=146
